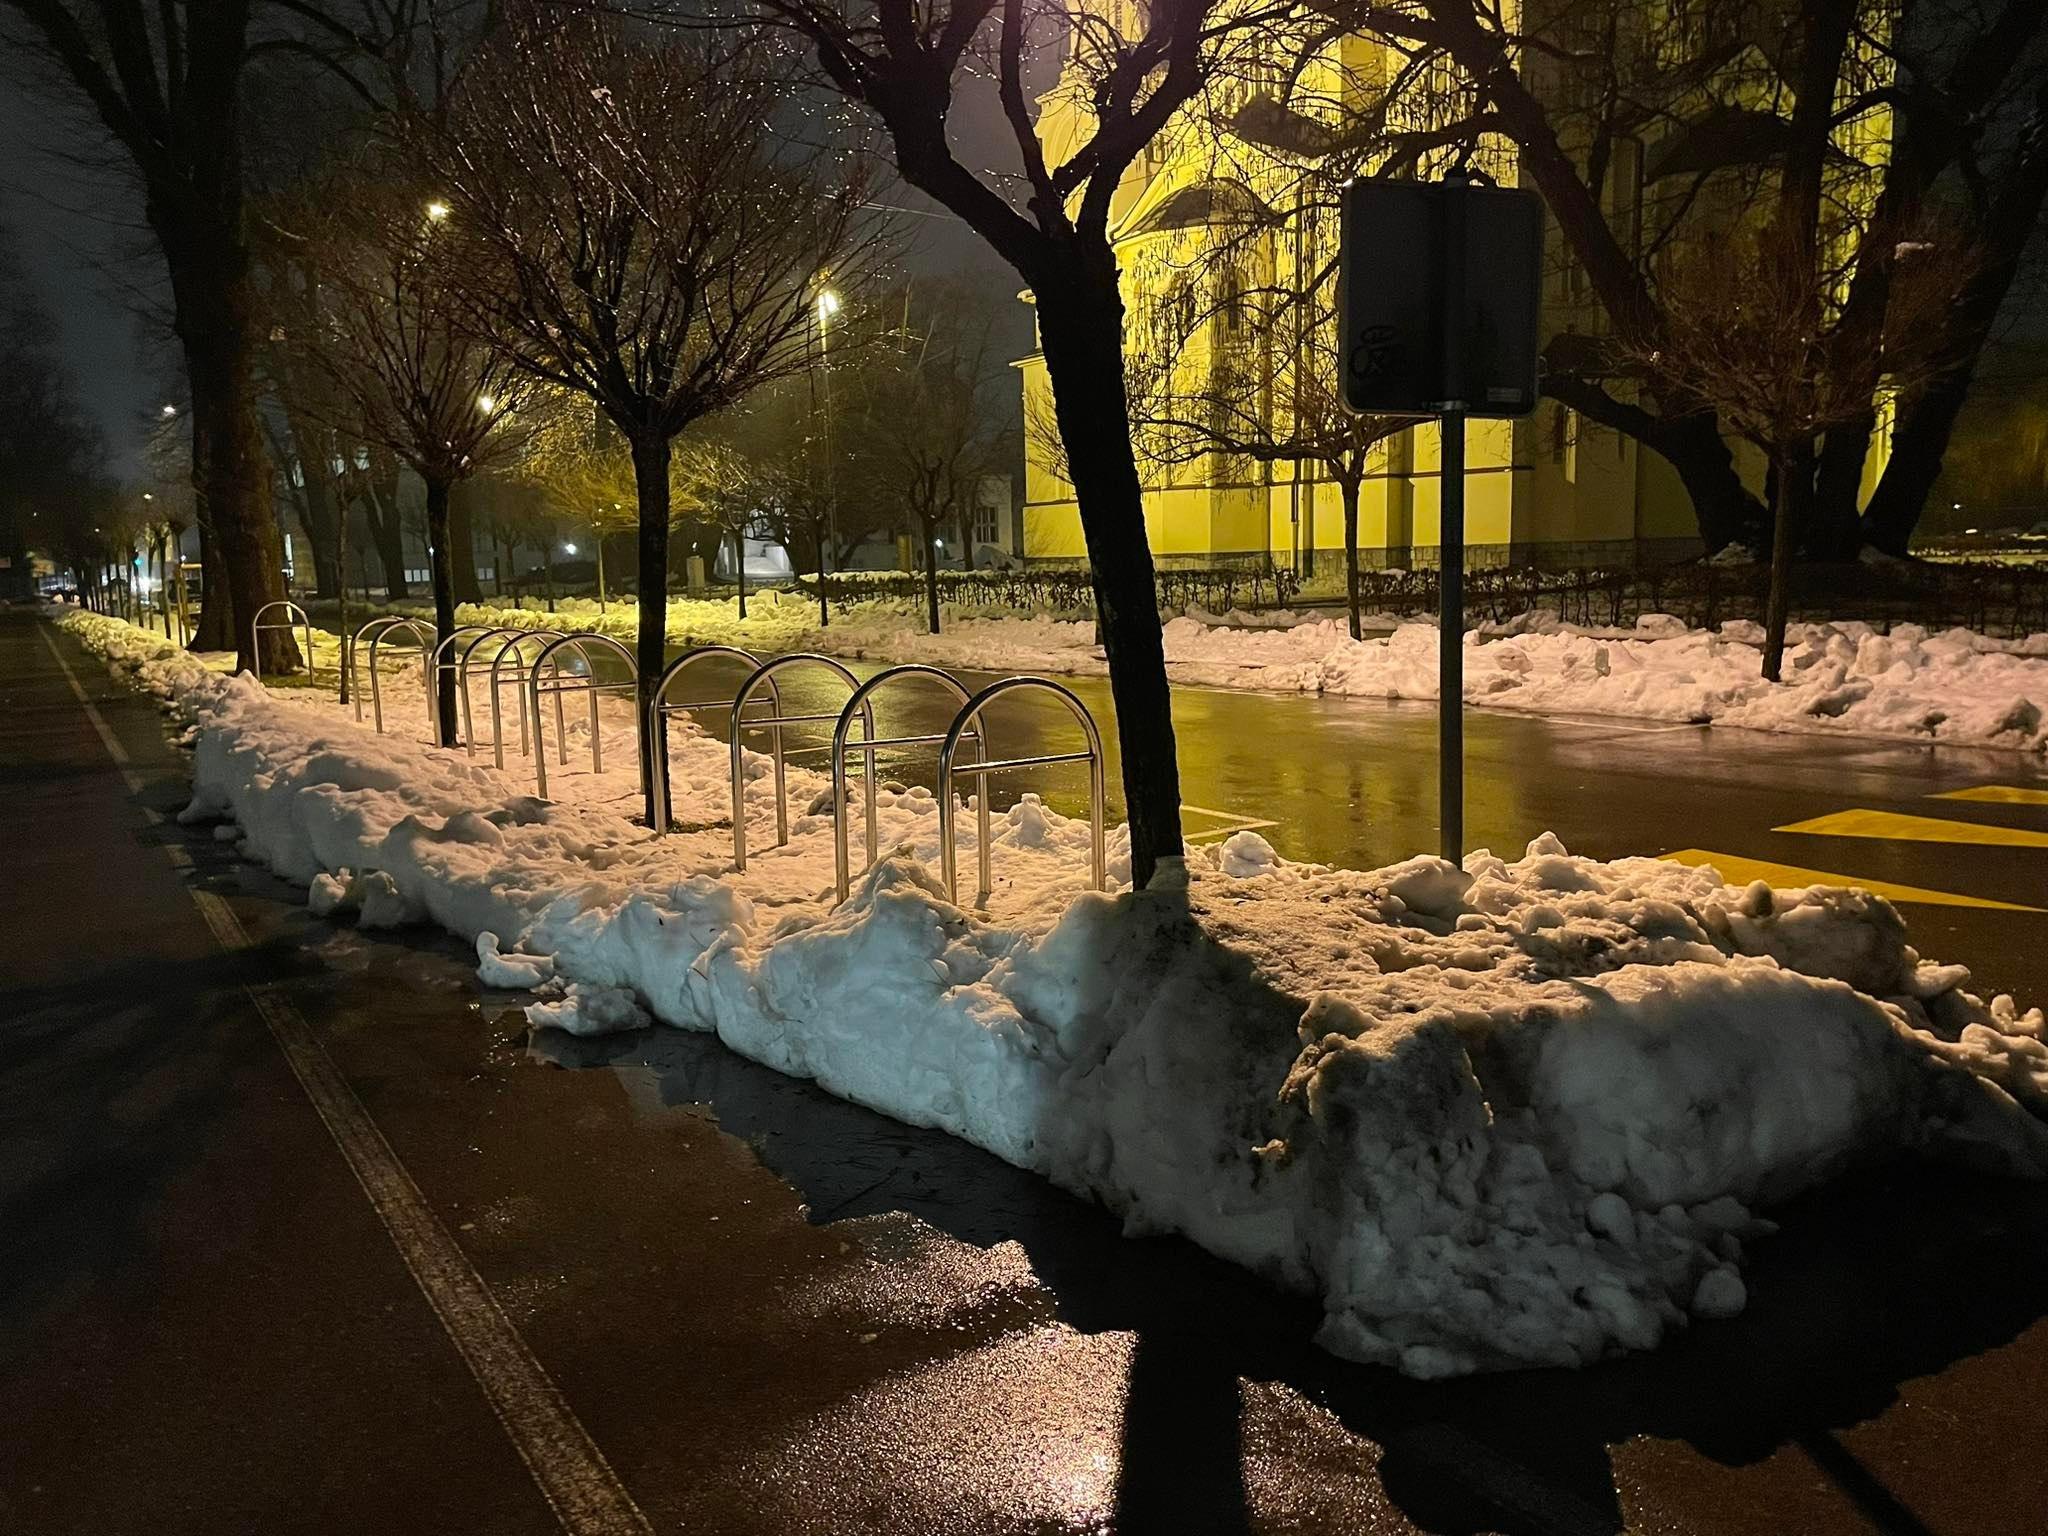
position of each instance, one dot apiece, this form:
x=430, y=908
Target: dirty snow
x=1519, y=1112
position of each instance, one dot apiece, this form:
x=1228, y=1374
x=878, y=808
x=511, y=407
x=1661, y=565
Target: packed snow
x=1519, y=1112
x=1954, y=686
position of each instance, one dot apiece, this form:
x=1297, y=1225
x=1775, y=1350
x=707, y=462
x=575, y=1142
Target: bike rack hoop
x=858, y=704
x=515, y=638
x=556, y=686
x=295, y=617
x=967, y=720
x=660, y=707
x=738, y=725
x=379, y=630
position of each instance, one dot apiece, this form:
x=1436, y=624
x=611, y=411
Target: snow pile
x=1955, y=686
x=1514, y=1113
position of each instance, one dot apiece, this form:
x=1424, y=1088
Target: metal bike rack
x=739, y=726
x=968, y=718
x=516, y=677
x=868, y=747
x=557, y=686
x=441, y=661
x=257, y=629
x=378, y=630
x=659, y=708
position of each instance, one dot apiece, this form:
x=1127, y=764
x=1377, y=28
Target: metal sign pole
x=1450, y=632
x=1450, y=708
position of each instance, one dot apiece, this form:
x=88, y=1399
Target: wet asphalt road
x=775, y=1312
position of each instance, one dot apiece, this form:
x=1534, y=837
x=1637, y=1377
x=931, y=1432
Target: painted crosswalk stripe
x=1996, y=794
x=1899, y=827
x=1737, y=870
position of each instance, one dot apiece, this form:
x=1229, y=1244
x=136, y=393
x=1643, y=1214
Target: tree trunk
x=739, y=562
x=1835, y=531
x=387, y=532
x=323, y=532
x=651, y=457
x=931, y=573
x=546, y=546
x=1919, y=444
x=442, y=567
x=213, y=309
x=215, y=630
x=462, y=541
x=1349, y=487
x=1081, y=323
x=1779, y=606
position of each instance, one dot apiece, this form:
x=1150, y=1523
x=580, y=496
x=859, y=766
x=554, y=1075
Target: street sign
x=1437, y=297
x=1437, y=284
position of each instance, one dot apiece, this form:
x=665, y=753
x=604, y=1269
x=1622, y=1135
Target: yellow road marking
x=1740, y=871
x=1896, y=826
x=1997, y=794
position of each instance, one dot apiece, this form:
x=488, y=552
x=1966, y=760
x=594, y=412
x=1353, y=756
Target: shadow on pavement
x=1878, y=1279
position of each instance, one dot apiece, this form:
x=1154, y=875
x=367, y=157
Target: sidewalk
x=203, y=1326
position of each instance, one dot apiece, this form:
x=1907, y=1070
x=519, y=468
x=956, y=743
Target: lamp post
x=828, y=306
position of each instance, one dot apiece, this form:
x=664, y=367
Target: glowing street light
x=437, y=211
x=486, y=403
x=568, y=549
x=170, y=410
x=828, y=303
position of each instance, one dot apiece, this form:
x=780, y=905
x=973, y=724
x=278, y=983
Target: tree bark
x=213, y=309
x=387, y=532
x=739, y=562
x=927, y=527
x=1349, y=487
x=1779, y=604
x=462, y=541
x=1081, y=324
x=215, y=630
x=652, y=453
x=441, y=565
x=323, y=525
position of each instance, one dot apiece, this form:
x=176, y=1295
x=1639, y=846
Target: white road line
x=568, y=1468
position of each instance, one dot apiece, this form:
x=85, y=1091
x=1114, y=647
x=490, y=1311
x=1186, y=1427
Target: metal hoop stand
x=859, y=703
x=969, y=717
x=659, y=708
x=515, y=677
x=378, y=630
x=294, y=618
x=558, y=686
x=739, y=726
x=442, y=661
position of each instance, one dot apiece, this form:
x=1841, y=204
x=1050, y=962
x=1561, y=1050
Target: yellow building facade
x=1205, y=216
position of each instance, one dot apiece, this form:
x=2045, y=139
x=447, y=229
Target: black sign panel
x=1437, y=298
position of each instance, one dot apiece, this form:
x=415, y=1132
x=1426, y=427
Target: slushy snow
x=1516, y=1113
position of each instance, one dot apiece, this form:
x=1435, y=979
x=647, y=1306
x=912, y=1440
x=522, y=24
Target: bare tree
x=629, y=217
x=726, y=487
x=1650, y=130
x=388, y=331
x=165, y=82
x=1753, y=333
x=1130, y=70
x=925, y=412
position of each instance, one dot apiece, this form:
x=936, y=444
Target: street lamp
x=170, y=410
x=486, y=403
x=437, y=211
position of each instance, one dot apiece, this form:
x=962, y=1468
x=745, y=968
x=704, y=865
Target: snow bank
x=1956, y=686
x=1515, y=1113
